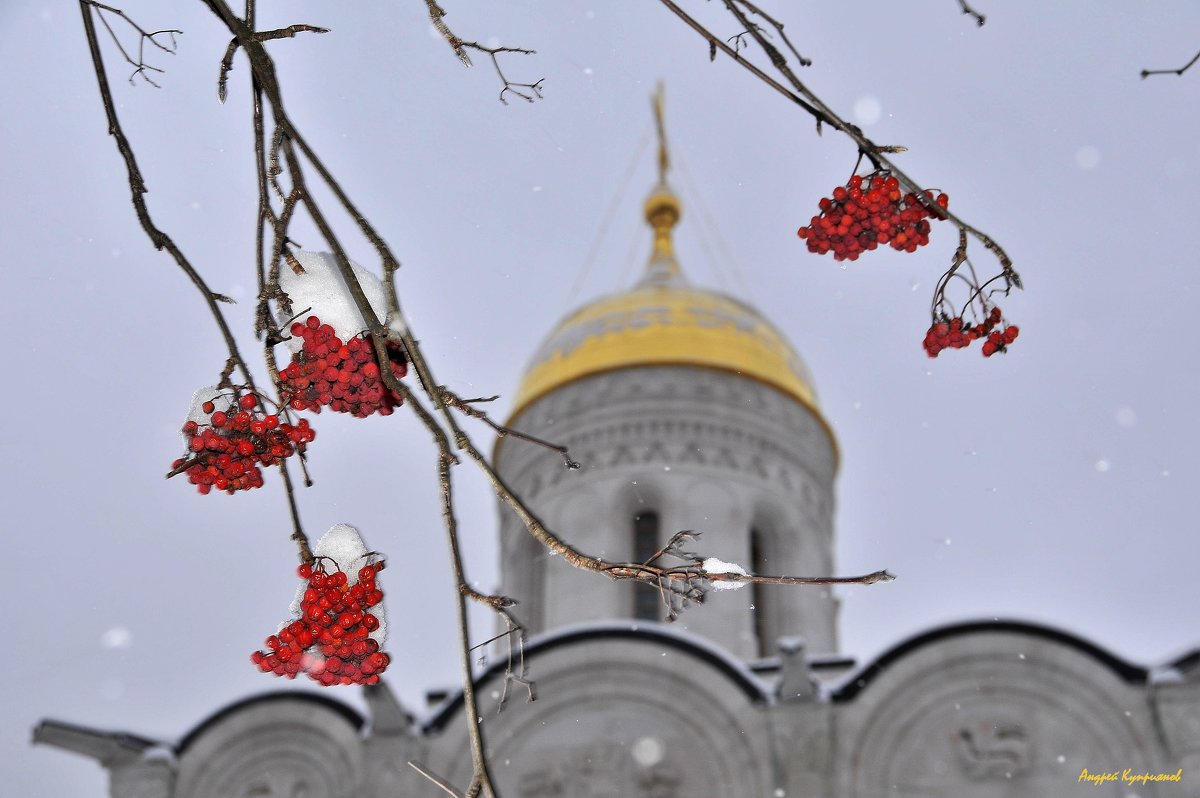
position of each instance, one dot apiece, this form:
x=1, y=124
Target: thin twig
x=490, y=640
x=137, y=190
x=263, y=319
x=264, y=70
x=1148, y=72
x=460, y=47
x=754, y=9
x=500, y=605
x=139, y=64
x=292, y=145
x=966, y=9
x=162, y=241
x=803, y=97
x=433, y=777
x=534, y=89
x=436, y=13
x=717, y=44
x=280, y=33
x=470, y=705
x=452, y=399
x=380, y=334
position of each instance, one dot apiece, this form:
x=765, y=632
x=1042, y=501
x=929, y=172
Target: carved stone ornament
x=993, y=748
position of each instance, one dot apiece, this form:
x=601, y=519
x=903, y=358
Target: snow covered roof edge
x=854, y=683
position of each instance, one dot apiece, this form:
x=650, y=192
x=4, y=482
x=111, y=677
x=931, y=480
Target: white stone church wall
x=709, y=451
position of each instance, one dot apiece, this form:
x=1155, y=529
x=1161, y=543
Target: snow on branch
x=357, y=305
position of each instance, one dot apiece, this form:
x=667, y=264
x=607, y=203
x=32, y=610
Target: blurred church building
x=689, y=410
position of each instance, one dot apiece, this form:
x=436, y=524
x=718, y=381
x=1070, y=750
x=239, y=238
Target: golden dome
x=665, y=321
x=665, y=324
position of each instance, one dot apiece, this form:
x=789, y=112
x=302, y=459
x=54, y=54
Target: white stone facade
x=974, y=711
x=706, y=451
x=637, y=708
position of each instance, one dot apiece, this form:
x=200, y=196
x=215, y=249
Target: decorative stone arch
x=622, y=710
x=282, y=745
x=993, y=709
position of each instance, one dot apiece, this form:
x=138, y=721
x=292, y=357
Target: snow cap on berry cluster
x=222, y=400
x=343, y=545
x=321, y=292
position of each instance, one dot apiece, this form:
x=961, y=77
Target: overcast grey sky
x=1055, y=484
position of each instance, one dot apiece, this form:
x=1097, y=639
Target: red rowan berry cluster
x=226, y=452
x=343, y=376
x=870, y=211
x=955, y=334
x=330, y=641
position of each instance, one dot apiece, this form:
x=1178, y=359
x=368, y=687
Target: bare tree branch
x=161, y=241
x=470, y=706
x=534, y=89
x=970, y=12
x=445, y=786
x=139, y=64
x=516, y=653
x=802, y=96
x=1148, y=72
x=288, y=155
x=778, y=26
x=436, y=12
x=280, y=33
x=263, y=73
x=526, y=91
x=464, y=405
x=716, y=44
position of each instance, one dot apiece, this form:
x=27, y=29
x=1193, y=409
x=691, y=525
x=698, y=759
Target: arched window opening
x=758, y=599
x=647, y=601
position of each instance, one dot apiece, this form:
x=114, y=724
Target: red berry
x=346, y=377
x=853, y=221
